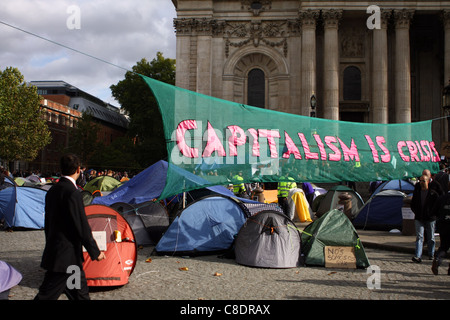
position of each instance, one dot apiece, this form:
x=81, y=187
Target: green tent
x=331, y=229
x=103, y=183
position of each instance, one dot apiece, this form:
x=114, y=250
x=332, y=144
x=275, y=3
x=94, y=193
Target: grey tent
x=148, y=220
x=268, y=239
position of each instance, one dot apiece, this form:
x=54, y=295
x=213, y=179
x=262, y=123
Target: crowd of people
x=85, y=176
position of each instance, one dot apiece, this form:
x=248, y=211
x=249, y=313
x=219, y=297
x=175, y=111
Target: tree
x=137, y=99
x=23, y=130
x=83, y=138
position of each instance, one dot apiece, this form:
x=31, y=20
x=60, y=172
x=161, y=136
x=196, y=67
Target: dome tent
x=23, y=207
x=207, y=225
x=331, y=229
x=121, y=252
x=148, y=220
x=268, y=239
x=383, y=211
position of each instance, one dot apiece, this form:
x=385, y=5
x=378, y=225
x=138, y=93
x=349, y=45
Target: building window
x=352, y=83
x=256, y=88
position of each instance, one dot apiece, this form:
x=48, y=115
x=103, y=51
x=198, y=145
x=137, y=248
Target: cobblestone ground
x=214, y=278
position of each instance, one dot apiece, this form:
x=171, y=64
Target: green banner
x=217, y=139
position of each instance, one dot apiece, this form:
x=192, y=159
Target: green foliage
x=137, y=99
x=83, y=138
x=118, y=156
x=23, y=130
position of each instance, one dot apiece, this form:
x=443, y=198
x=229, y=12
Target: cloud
x=119, y=32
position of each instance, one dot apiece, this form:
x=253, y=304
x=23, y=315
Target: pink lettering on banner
x=213, y=143
x=436, y=158
x=308, y=153
x=234, y=140
x=412, y=148
x=426, y=148
x=291, y=148
x=349, y=153
x=400, y=146
x=323, y=154
x=386, y=157
x=182, y=127
x=415, y=148
x=336, y=156
x=270, y=135
x=372, y=148
x=422, y=156
x=255, y=144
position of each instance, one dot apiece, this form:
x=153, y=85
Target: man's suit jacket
x=66, y=228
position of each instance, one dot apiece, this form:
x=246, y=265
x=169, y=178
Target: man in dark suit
x=66, y=232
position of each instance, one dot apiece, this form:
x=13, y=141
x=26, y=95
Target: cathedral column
x=308, y=58
x=183, y=53
x=380, y=71
x=402, y=66
x=331, y=64
x=446, y=18
x=204, y=64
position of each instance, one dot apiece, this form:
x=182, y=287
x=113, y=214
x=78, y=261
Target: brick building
x=64, y=105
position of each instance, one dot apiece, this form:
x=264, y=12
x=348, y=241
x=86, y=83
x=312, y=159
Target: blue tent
x=205, y=226
x=383, y=211
x=401, y=185
x=150, y=183
x=23, y=207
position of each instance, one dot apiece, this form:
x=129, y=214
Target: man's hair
x=69, y=164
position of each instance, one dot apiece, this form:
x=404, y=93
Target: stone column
x=380, y=71
x=308, y=58
x=446, y=20
x=183, y=54
x=204, y=64
x=402, y=66
x=331, y=64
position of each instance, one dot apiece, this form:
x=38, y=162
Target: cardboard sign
x=100, y=238
x=340, y=257
x=407, y=214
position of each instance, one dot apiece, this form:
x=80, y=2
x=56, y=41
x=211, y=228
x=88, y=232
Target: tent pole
x=184, y=194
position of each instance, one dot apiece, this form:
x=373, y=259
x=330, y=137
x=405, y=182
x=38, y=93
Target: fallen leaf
x=333, y=272
x=148, y=260
x=184, y=269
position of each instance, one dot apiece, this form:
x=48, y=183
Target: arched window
x=256, y=88
x=352, y=83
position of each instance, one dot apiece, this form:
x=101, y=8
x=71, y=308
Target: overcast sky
x=120, y=32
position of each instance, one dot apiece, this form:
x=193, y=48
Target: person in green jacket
x=283, y=192
x=239, y=186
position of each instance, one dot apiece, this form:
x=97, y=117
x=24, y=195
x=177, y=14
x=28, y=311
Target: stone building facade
x=380, y=64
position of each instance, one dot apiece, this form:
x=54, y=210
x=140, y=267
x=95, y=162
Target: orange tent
x=115, y=237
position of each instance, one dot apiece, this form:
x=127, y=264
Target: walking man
x=66, y=232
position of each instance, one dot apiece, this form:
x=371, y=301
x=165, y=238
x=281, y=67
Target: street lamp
x=313, y=103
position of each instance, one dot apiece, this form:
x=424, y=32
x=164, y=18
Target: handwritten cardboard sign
x=340, y=257
x=100, y=238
